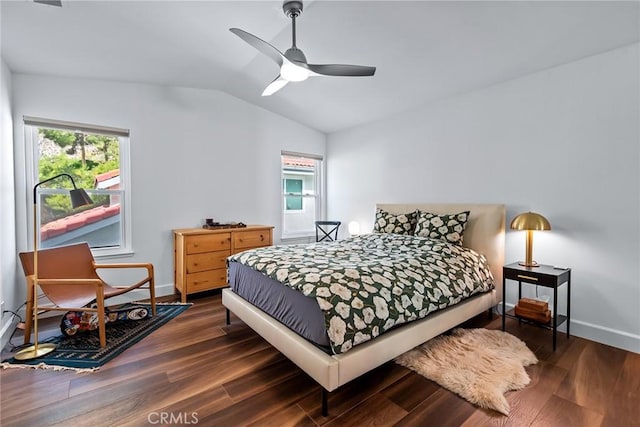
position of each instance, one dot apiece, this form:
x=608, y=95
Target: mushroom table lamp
x=529, y=222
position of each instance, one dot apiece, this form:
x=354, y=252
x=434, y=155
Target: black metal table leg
x=325, y=402
x=504, y=301
x=519, y=296
x=568, y=304
x=555, y=316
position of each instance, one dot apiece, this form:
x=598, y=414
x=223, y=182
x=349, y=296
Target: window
x=97, y=158
x=293, y=194
x=301, y=194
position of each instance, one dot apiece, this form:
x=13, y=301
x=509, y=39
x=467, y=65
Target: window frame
x=318, y=195
x=32, y=157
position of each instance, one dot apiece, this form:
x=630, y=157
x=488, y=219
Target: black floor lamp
x=79, y=197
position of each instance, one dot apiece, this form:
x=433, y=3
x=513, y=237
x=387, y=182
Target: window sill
x=298, y=239
x=126, y=253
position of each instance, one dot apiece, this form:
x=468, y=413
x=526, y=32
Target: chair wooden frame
x=68, y=278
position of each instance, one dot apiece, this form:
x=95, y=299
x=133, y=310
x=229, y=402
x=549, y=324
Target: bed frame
x=484, y=233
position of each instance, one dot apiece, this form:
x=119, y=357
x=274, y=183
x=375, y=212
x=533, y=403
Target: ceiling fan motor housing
x=295, y=54
x=292, y=8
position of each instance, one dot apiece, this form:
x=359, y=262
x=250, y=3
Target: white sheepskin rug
x=479, y=365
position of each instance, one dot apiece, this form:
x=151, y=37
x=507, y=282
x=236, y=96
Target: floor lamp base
x=31, y=352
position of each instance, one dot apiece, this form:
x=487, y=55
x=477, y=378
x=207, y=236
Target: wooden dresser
x=201, y=255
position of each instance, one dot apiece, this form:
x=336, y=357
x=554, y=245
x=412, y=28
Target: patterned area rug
x=82, y=351
x=479, y=365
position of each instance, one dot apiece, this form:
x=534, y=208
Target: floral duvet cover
x=366, y=285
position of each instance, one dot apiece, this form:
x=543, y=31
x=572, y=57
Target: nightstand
x=542, y=275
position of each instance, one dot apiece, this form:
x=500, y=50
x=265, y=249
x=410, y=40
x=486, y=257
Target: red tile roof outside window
x=108, y=180
x=73, y=222
x=298, y=161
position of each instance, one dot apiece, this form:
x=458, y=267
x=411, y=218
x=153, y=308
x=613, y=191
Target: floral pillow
x=449, y=228
x=390, y=223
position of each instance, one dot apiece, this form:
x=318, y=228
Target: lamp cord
x=12, y=347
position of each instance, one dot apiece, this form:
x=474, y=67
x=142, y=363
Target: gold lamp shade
x=530, y=222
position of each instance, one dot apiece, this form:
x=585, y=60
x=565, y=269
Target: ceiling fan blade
x=342, y=70
x=259, y=44
x=49, y=2
x=275, y=86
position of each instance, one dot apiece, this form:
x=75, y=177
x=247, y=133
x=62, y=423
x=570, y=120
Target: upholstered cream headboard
x=484, y=232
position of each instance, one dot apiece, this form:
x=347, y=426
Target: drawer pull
x=261, y=238
x=522, y=276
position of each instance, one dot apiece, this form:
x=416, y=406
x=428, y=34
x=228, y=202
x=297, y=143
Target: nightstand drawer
x=543, y=275
x=530, y=277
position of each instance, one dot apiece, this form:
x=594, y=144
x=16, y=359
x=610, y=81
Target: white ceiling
x=423, y=50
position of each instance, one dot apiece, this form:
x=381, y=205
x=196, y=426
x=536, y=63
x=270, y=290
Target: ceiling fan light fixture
x=293, y=73
x=275, y=86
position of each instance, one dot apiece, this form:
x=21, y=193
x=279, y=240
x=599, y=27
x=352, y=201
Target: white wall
x=195, y=154
x=563, y=142
x=7, y=213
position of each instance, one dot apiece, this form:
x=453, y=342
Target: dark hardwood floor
x=197, y=371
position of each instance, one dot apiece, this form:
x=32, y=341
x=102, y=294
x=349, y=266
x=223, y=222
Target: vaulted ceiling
x=424, y=51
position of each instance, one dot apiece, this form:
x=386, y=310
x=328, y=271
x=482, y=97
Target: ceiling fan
x=293, y=64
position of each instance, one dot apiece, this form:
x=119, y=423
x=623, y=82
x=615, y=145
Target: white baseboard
x=597, y=333
x=608, y=336
x=9, y=323
x=297, y=240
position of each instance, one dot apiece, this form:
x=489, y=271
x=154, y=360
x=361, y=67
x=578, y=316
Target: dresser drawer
x=205, y=280
x=208, y=243
x=251, y=239
x=206, y=261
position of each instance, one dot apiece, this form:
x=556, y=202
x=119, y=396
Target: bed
x=484, y=233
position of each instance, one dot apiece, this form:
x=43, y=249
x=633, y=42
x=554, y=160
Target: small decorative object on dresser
x=200, y=255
